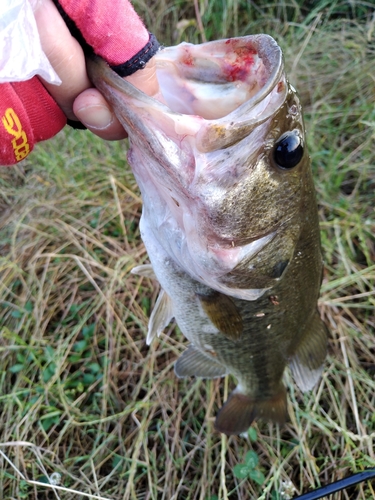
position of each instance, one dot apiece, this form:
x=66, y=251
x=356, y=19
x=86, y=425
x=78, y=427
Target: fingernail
x=97, y=117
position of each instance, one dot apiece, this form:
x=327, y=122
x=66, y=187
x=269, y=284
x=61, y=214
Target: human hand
x=75, y=95
x=33, y=110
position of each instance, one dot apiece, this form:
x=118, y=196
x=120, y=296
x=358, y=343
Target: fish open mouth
x=217, y=91
x=213, y=79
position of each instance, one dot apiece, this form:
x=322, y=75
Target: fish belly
x=254, y=359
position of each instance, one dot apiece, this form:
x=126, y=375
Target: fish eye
x=288, y=150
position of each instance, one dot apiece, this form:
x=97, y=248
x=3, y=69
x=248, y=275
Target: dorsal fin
x=223, y=313
x=194, y=363
x=161, y=316
x=308, y=359
x=241, y=410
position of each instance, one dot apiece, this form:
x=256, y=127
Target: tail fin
x=240, y=411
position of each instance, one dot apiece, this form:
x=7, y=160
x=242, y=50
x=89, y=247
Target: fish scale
x=229, y=218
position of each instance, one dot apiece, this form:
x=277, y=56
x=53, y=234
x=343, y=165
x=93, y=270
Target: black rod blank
x=337, y=485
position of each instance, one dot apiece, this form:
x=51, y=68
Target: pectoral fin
x=307, y=362
x=193, y=363
x=223, y=313
x=161, y=316
x=240, y=410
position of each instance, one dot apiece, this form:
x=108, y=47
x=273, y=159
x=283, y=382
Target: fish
x=229, y=218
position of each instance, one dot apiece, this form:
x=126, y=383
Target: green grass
x=81, y=394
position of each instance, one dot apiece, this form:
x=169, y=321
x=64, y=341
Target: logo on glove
x=12, y=125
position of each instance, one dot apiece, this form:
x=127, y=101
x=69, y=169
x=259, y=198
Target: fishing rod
x=337, y=485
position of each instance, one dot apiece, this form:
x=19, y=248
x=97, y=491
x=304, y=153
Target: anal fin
x=193, y=363
x=241, y=410
x=307, y=361
x=161, y=316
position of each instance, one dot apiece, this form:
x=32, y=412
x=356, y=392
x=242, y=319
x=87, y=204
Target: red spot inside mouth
x=239, y=69
x=187, y=59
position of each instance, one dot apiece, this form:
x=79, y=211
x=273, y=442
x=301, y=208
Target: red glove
x=110, y=29
x=28, y=115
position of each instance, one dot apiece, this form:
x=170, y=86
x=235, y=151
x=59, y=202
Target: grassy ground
x=83, y=398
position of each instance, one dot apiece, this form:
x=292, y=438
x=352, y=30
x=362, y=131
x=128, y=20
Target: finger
x=145, y=79
x=94, y=112
x=65, y=55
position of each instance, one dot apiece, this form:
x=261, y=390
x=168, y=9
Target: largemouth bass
x=229, y=218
